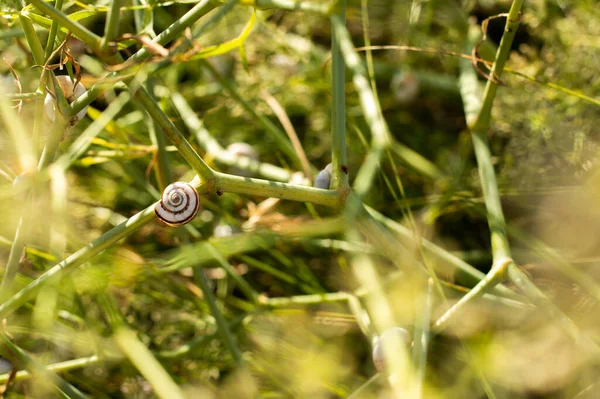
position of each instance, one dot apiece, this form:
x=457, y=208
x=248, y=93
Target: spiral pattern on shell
x=178, y=205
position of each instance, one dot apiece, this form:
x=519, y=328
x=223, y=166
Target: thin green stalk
x=339, y=161
x=266, y=188
x=494, y=276
x=14, y=259
x=175, y=29
x=367, y=389
x=78, y=258
x=422, y=337
x=162, y=167
x=18, y=134
x=380, y=137
x=280, y=137
x=171, y=131
x=143, y=54
x=510, y=30
x=195, y=345
x=314, y=299
x=87, y=36
x=147, y=365
x=18, y=355
x=278, y=274
x=224, y=332
x=67, y=365
x=32, y=39
x=295, y=5
x=198, y=254
x=7, y=172
x=243, y=285
x=212, y=146
x=538, y=298
x=54, y=137
x=24, y=96
x=441, y=259
x=478, y=113
x=82, y=143
x=52, y=34
x=111, y=27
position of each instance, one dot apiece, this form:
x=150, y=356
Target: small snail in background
x=71, y=93
x=388, y=339
x=178, y=205
x=242, y=150
x=405, y=87
x=323, y=179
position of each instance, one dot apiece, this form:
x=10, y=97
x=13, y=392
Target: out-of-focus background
x=543, y=137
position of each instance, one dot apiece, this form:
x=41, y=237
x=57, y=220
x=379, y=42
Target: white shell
x=243, y=149
x=323, y=179
x=178, y=205
x=71, y=94
x=388, y=339
x=405, y=87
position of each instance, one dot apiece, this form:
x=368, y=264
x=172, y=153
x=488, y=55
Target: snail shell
x=405, y=87
x=388, y=339
x=71, y=93
x=178, y=205
x=323, y=179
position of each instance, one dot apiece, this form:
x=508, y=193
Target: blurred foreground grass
x=285, y=297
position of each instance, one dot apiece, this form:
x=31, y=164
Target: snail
x=323, y=178
x=389, y=338
x=178, y=205
x=405, y=87
x=71, y=93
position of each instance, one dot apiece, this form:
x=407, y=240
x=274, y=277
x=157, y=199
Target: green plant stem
x=338, y=109
x=111, y=28
x=276, y=133
x=169, y=129
x=224, y=332
x=294, y=5
x=54, y=137
x=146, y=363
x=314, y=299
x=162, y=168
x=212, y=146
x=422, y=337
x=143, y=54
x=52, y=34
x=78, y=258
x=12, y=265
x=380, y=139
x=198, y=253
x=278, y=274
x=443, y=260
x=32, y=39
x=82, y=143
x=24, y=96
x=16, y=354
x=267, y=188
x=367, y=389
x=243, y=285
x=18, y=134
x=87, y=36
x=195, y=345
x=491, y=279
x=482, y=122
x=56, y=367
x=541, y=301
x=478, y=113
